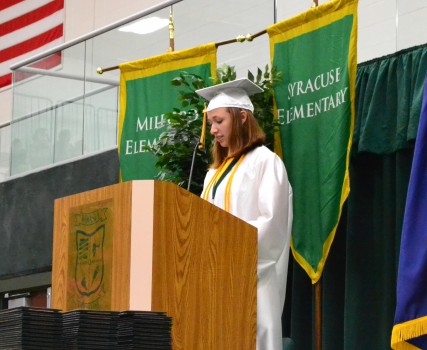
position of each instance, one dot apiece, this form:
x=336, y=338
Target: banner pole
x=318, y=314
x=171, y=31
x=239, y=39
x=317, y=287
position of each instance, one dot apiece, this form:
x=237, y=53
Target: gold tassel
x=203, y=134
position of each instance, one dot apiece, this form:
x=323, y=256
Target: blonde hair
x=244, y=137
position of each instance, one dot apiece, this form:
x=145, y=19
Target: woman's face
x=219, y=120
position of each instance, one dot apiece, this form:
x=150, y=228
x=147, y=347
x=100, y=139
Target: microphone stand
x=192, y=164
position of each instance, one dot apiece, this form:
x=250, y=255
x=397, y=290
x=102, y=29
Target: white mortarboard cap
x=231, y=94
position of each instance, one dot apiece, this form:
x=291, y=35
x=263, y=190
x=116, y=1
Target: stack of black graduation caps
x=30, y=328
x=144, y=330
x=88, y=329
x=40, y=329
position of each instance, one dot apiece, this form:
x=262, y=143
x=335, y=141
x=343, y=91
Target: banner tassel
x=203, y=133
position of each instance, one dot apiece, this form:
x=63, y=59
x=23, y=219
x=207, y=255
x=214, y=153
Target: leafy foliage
x=176, y=145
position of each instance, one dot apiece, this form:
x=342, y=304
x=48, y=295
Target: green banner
x=146, y=94
x=316, y=52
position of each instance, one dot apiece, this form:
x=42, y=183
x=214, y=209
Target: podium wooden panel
x=165, y=249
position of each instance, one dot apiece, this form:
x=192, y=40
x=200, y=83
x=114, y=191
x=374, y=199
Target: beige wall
x=5, y=105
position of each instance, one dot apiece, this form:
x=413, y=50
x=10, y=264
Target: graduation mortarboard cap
x=230, y=94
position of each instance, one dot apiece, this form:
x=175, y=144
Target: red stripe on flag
x=5, y=80
x=4, y=4
x=45, y=63
x=48, y=62
x=32, y=44
x=31, y=17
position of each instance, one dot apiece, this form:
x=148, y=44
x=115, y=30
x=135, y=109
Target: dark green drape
x=388, y=101
x=359, y=280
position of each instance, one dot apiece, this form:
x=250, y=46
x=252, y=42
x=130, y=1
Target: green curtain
x=359, y=280
x=388, y=101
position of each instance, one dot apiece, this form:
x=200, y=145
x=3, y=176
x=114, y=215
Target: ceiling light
x=146, y=25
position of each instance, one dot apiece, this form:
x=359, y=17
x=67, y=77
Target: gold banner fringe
x=403, y=332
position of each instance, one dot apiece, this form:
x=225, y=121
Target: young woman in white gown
x=249, y=181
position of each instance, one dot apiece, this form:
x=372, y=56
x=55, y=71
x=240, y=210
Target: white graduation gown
x=262, y=196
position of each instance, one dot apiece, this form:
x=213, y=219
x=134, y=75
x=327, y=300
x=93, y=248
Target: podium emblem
x=89, y=267
x=90, y=256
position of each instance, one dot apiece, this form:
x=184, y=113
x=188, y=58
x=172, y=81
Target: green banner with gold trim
x=315, y=107
x=146, y=94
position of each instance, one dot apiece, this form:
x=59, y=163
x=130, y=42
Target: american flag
x=28, y=27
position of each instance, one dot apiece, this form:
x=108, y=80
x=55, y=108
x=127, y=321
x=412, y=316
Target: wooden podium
x=152, y=246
